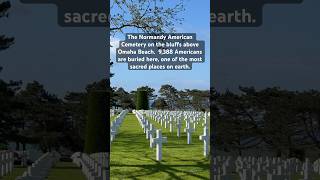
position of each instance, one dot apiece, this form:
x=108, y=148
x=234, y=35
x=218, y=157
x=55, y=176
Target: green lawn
x=294, y=177
x=66, y=171
x=61, y=171
x=113, y=117
x=17, y=171
x=131, y=157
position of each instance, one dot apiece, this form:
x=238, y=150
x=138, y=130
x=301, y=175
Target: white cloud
x=114, y=43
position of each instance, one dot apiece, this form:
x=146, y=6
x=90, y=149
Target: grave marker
x=189, y=130
x=205, y=139
x=158, y=142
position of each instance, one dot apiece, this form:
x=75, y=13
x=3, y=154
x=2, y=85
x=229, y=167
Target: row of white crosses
x=91, y=167
x=114, y=126
x=101, y=158
x=257, y=168
x=6, y=162
x=191, y=118
x=149, y=130
x=24, y=156
x=115, y=111
x=41, y=167
x=175, y=118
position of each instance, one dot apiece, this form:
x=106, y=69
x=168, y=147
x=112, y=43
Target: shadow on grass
x=171, y=170
x=67, y=167
x=66, y=171
x=131, y=156
x=17, y=171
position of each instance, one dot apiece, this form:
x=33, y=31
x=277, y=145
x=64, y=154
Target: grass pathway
x=66, y=171
x=131, y=157
x=17, y=171
x=112, y=118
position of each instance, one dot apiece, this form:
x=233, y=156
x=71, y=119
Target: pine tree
x=5, y=42
x=142, y=100
x=97, y=137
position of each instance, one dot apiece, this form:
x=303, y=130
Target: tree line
x=286, y=123
x=167, y=98
x=29, y=114
x=281, y=121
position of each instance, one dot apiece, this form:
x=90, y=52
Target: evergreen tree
x=97, y=136
x=5, y=42
x=142, y=100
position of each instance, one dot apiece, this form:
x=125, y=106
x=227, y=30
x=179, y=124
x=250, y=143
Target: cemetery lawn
x=113, y=118
x=131, y=157
x=17, y=171
x=66, y=171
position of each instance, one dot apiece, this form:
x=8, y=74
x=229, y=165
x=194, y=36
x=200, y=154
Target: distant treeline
x=168, y=98
x=286, y=123
x=32, y=115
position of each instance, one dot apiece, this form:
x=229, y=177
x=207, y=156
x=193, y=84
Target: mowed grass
x=17, y=171
x=293, y=177
x=66, y=171
x=131, y=157
x=61, y=171
x=113, y=117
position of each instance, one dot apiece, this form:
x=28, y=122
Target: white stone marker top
x=205, y=121
x=112, y=135
x=205, y=139
x=189, y=130
x=158, y=142
x=151, y=131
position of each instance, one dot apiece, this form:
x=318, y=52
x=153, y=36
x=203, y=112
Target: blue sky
x=196, y=20
x=283, y=52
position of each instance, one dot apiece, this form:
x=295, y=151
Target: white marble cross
x=165, y=122
x=194, y=125
x=306, y=167
x=112, y=126
x=142, y=122
x=158, y=142
x=6, y=162
x=151, y=131
x=189, y=130
x=146, y=126
x=205, y=139
x=178, y=126
x=171, y=124
x=187, y=120
x=205, y=123
x=113, y=134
